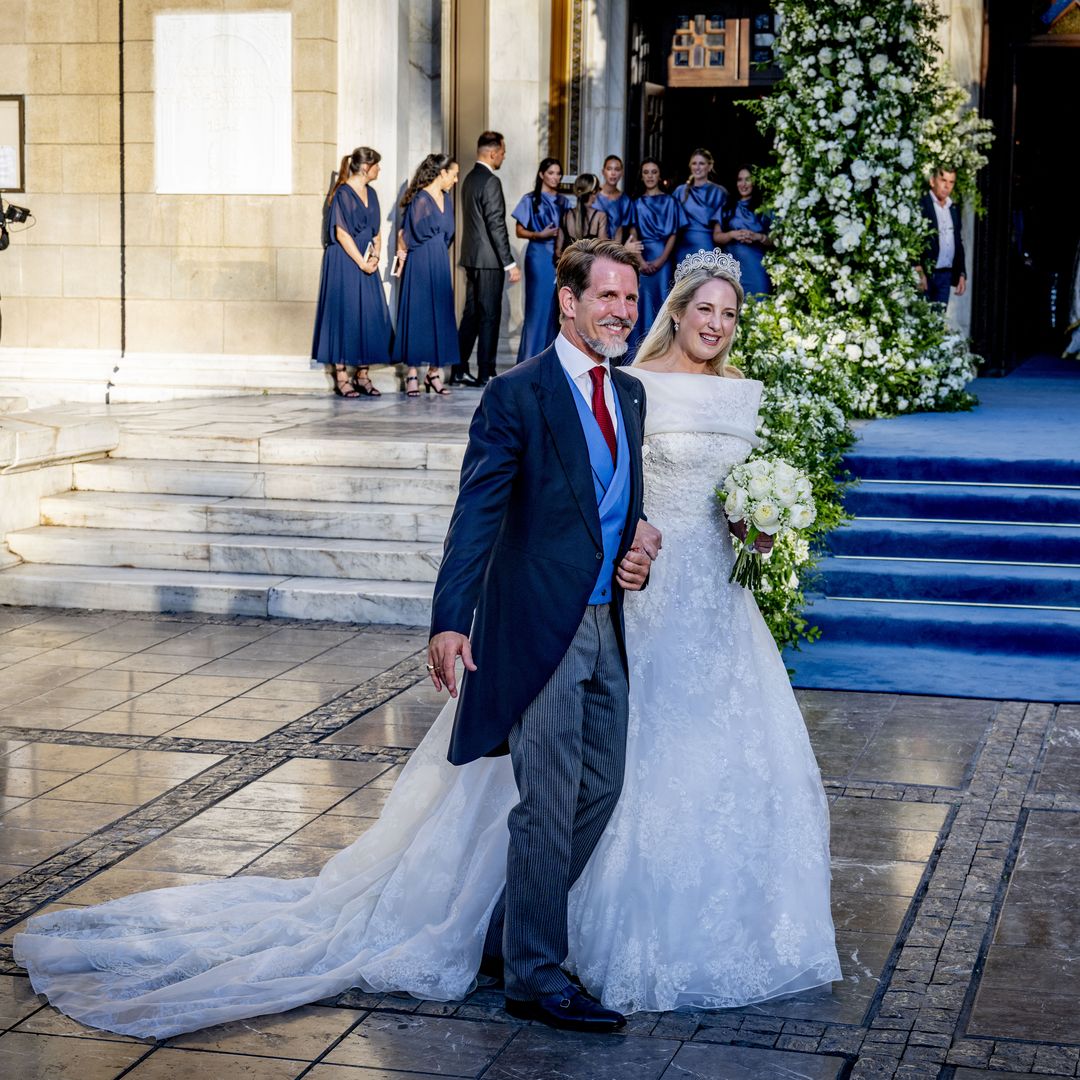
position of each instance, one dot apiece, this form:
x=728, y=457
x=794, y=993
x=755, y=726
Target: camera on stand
x=17, y=215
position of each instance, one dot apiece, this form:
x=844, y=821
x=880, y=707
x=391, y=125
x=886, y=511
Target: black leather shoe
x=474, y=381
x=457, y=378
x=491, y=972
x=571, y=1010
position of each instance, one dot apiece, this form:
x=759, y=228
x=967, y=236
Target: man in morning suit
x=545, y=536
x=942, y=267
x=486, y=259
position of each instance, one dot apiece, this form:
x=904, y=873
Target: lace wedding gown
x=710, y=887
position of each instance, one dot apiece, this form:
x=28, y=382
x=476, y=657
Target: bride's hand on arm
x=763, y=543
x=648, y=538
x=443, y=651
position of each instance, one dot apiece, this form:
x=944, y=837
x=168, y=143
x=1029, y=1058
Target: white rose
x=784, y=473
x=802, y=486
x=766, y=517
x=802, y=515
x=759, y=486
x=878, y=64
x=866, y=23
x=825, y=55
x=847, y=116
x=735, y=505
x=786, y=495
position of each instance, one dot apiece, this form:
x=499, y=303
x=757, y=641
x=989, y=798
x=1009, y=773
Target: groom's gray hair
x=575, y=265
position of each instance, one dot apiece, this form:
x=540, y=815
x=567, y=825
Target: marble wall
x=60, y=280
x=205, y=273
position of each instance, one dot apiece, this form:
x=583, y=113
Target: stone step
x=292, y=556
x=124, y=589
x=292, y=449
x=267, y=517
x=255, y=481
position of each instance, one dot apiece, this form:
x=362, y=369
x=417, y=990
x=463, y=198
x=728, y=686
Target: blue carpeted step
x=1012, y=631
x=964, y=502
x=970, y=583
x=887, y=537
x=962, y=469
x=920, y=669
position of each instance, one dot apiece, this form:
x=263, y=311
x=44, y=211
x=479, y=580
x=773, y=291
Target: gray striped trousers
x=568, y=751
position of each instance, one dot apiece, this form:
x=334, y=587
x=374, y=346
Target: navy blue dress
x=541, y=325
x=352, y=321
x=656, y=218
x=704, y=208
x=426, y=322
x=754, y=278
x=620, y=212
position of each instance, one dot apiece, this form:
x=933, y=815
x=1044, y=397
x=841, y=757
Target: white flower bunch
x=771, y=497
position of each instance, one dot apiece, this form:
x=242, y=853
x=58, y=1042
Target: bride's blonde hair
x=661, y=336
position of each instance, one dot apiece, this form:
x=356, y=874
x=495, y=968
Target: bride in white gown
x=710, y=886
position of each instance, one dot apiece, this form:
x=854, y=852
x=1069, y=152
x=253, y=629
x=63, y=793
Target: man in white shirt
x=545, y=538
x=942, y=267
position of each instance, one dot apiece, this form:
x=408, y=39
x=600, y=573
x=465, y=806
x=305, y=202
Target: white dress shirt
x=577, y=365
x=946, y=240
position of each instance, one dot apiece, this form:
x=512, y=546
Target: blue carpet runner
x=960, y=574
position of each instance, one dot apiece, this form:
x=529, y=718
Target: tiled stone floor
x=124, y=738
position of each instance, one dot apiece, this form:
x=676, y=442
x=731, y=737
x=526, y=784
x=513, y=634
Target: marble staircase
x=322, y=511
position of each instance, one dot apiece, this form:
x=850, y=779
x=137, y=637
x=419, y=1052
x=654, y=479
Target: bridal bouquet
x=772, y=497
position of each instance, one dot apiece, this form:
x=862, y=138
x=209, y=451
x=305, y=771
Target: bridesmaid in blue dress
x=744, y=233
x=352, y=322
x=703, y=202
x=427, y=323
x=538, y=214
x=658, y=217
x=615, y=203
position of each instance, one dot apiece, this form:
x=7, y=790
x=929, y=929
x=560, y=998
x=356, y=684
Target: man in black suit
x=942, y=266
x=486, y=259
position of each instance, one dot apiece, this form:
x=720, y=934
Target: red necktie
x=600, y=409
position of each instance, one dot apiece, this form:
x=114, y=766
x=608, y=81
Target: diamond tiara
x=709, y=260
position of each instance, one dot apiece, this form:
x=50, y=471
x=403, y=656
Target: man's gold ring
x=431, y=667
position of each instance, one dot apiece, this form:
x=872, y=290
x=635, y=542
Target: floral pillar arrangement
x=862, y=113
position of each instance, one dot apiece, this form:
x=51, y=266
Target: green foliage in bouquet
x=864, y=110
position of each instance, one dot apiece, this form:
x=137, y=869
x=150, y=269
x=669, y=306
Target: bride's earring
x=676, y=325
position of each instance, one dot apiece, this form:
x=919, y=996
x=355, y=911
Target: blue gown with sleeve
x=656, y=217
x=541, y=324
x=620, y=212
x=426, y=322
x=704, y=207
x=352, y=321
x=750, y=256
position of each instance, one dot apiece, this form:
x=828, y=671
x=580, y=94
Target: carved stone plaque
x=223, y=103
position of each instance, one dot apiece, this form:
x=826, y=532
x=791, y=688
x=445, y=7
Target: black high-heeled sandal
x=415, y=391
x=429, y=383
x=363, y=384
x=343, y=386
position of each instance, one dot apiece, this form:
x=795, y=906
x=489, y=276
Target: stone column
x=603, y=98
x=519, y=62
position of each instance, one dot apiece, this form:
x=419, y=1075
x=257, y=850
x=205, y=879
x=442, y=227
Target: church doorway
x=1026, y=243
x=687, y=76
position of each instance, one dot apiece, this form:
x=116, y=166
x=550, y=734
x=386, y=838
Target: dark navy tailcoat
x=524, y=547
